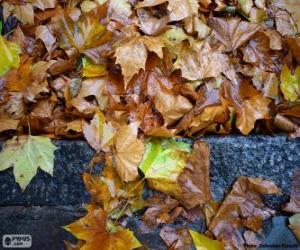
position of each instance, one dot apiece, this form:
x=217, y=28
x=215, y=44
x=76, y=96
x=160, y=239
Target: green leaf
x=26, y=154
x=9, y=55
x=92, y=70
x=163, y=162
x=1, y=26
x=202, y=242
x=290, y=83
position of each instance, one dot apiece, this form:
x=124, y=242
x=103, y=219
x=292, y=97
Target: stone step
x=270, y=157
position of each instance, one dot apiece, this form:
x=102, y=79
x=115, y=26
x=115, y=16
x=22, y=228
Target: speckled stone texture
x=54, y=202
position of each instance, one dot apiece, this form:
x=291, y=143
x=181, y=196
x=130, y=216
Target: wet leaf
x=9, y=55
x=176, y=239
x=129, y=152
x=290, y=83
x=233, y=32
x=26, y=154
x=163, y=162
x=98, y=133
x=242, y=207
x=132, y=54
x=202, y=242
x=98, y=232
x=295, y=225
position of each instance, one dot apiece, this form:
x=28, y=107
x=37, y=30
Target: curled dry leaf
x=99, y=233
x=129, y=152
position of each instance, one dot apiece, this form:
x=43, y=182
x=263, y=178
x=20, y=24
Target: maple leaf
x=119, y=10
x=176, y=239
x=26, y=154
x=129, y=152
x=99, y=233
x=85, y=34
x=242, y=207
x=163, y=162
x=293, y=7
x=196, y=64
x=90, y=69
x=233, y=32
x=161, y=209
x=171, y=107
x=249, y=104
x=23, y=12
x=203, y=242
x=9, y=55
x=44, y=33
x=194, y=180
x=132, y=54
x=258, y=53
x=98, y=133
x=110, y=192
x=178, y=9
x=290, y=83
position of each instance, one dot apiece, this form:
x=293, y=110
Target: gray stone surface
x=271, y=157
x=44, y=224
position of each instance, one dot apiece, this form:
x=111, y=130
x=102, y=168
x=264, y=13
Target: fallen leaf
x=258, y=53
x=26, y=154
x=129, y=152
x=233, y=32
x=98, y=133
x=90, y=69
x=292, y=6
x=171, y=107
x=290, y=83
x=295, y=225
x=9, y=55
x=245, y=5
x=119, y=10
x=163, y=162
x=132, y=54
x=99, y=233
x=242, y=207
x=194, y=180
x=294, y=205
x=249, y=104
x=161, y=209
x=8, y=124
x=181, y=9
x=176, y=239
x=44, y=33
x=202, y=242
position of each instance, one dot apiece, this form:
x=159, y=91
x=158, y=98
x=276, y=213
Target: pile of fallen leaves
x=133, y=76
